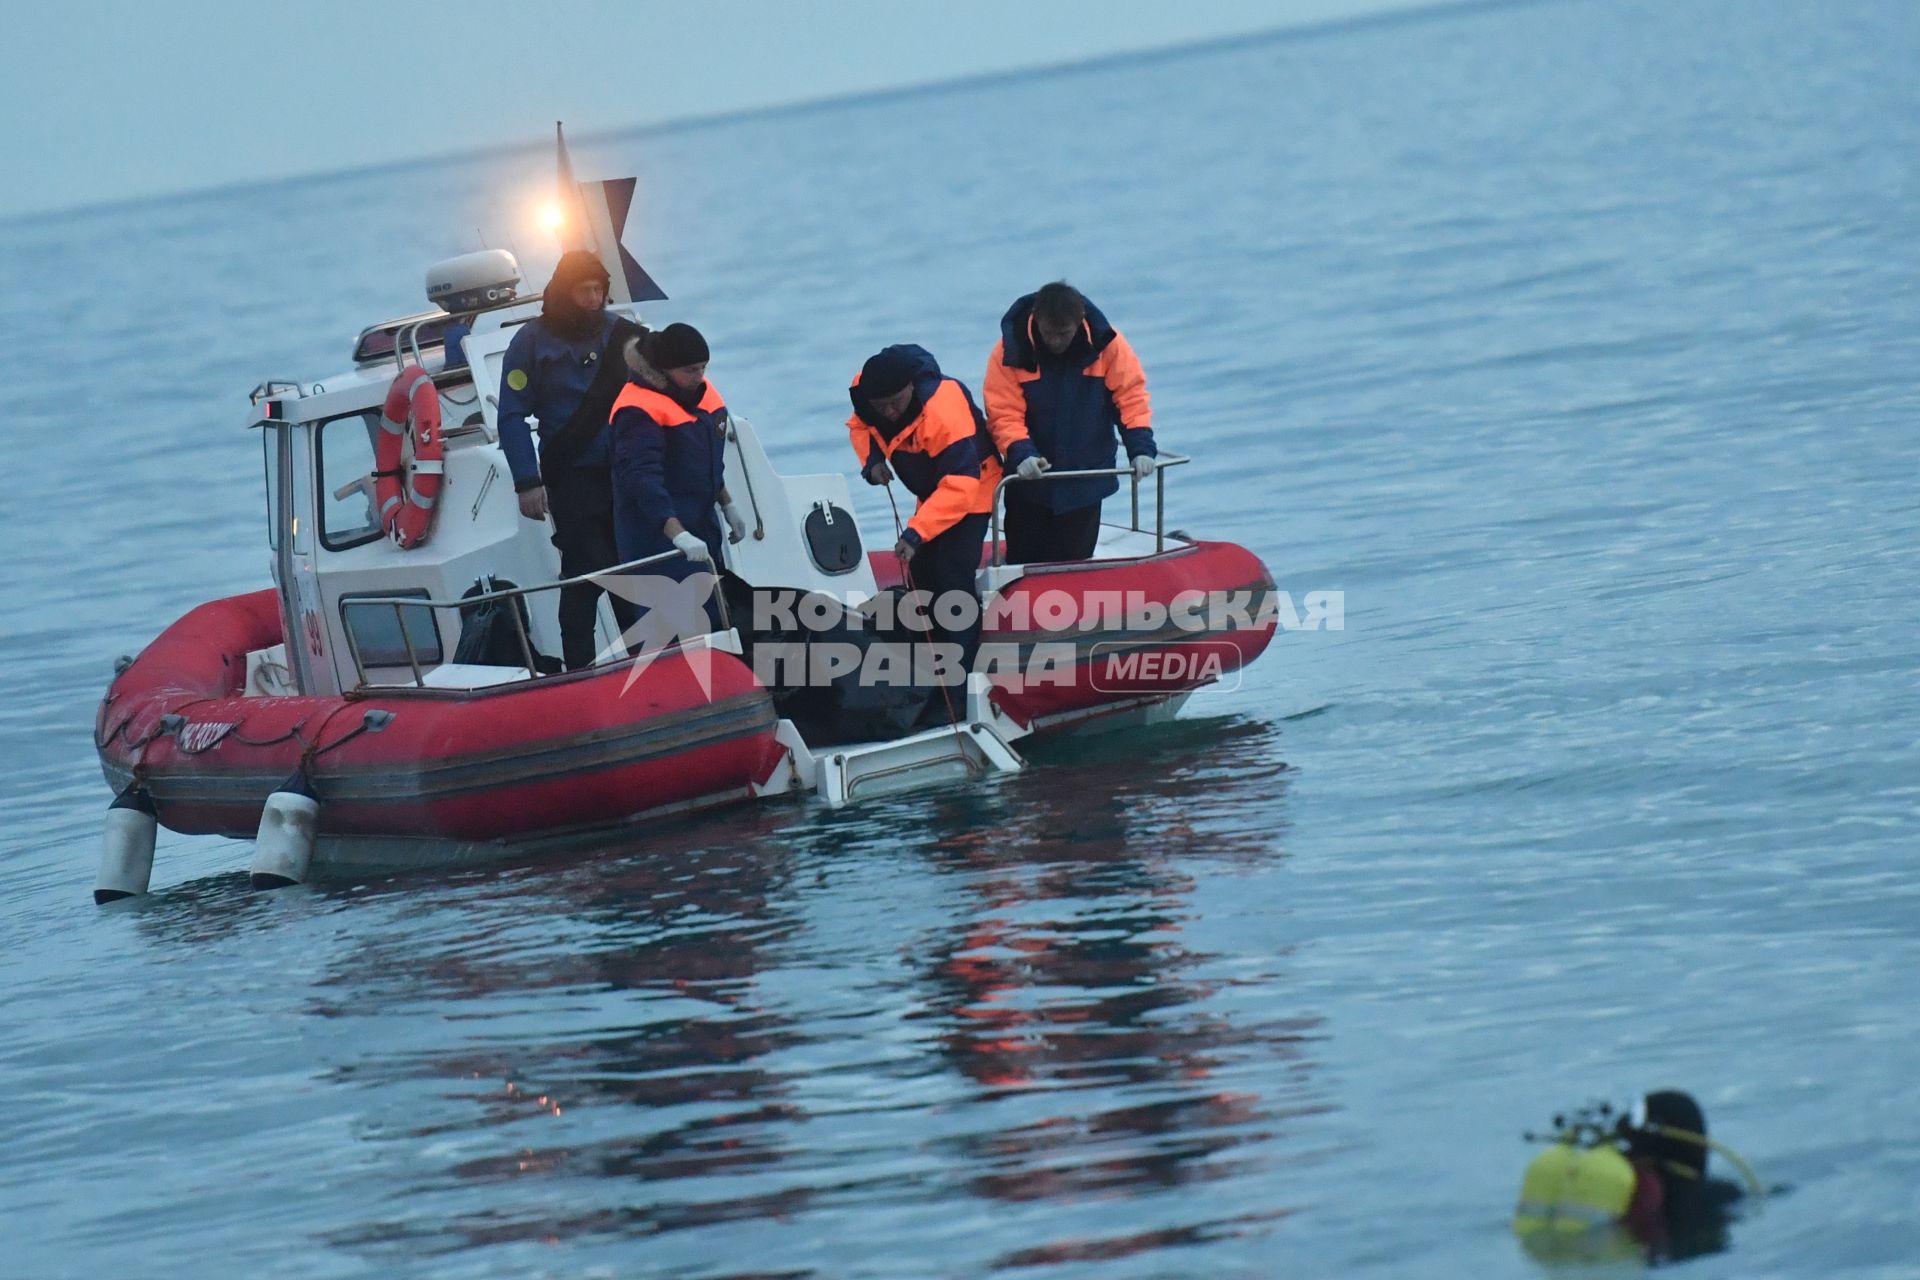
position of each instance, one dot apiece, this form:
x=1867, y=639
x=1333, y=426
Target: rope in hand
x=974, y=769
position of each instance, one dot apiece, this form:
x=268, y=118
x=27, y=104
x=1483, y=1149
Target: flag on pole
x=574, y=233
x=596, y=213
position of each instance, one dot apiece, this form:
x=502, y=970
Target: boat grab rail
x=406, y=336
x=746, y=474
x=397, y=603
x=1160, y=465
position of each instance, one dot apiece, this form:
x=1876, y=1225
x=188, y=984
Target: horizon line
x=1419, y=11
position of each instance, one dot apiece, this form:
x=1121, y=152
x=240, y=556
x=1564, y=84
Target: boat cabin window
x=343, y=459
x=377, y=630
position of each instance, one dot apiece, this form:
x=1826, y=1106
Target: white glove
x=1142, y=467
x=736, y=523
x=693, y=546
x=1033, y=468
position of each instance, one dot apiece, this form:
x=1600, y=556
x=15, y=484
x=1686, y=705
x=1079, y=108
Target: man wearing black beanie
x=678, y=346
x=669, y=456
x=556, y=371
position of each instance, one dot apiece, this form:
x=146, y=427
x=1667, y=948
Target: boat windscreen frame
x=270, y=446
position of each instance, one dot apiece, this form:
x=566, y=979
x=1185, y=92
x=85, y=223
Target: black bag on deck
x=847, y=708
x=488, y=637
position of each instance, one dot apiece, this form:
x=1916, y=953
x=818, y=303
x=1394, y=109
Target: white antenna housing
x=473, y=280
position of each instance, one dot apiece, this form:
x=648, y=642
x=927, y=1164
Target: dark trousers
x=1036, y=535
x=580, y=500
x=948, y=563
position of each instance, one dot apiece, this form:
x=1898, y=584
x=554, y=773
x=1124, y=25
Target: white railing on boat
x=406, y=331
x=1160, y=465
x=473, y=602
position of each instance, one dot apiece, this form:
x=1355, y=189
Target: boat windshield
x=343, y=449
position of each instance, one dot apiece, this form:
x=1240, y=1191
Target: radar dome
x=473, y=280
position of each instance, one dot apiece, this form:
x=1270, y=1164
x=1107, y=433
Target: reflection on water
x=1067, y=971
x=1050, y=1005
x=668, y=943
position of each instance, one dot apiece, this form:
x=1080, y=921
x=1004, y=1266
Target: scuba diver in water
x=1609, y=1186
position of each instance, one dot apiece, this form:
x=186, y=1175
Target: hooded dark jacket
x=548, y=368
x=939, y=449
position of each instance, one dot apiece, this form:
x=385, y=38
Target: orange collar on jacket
x=943, y=419
x=1033, y=337
x=661, y=407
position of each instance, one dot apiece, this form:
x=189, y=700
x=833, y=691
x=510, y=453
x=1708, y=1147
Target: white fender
x=126, y=858
x=283, y=847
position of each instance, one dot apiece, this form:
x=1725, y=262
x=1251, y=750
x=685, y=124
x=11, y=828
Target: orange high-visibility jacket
x=1069, y=408
x=942, y=453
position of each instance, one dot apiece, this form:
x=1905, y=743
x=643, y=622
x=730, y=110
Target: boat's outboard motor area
x=802, y=594
x=797, y=580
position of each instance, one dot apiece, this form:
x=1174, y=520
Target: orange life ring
x=406, y=488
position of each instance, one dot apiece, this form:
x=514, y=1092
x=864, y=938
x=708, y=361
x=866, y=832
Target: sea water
x=1573, y=344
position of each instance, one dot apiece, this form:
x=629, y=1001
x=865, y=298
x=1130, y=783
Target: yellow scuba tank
x=1570, y=1189
x=1572, y=1201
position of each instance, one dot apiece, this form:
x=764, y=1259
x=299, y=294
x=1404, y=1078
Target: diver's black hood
x=1670, y=1109
x=557, y=311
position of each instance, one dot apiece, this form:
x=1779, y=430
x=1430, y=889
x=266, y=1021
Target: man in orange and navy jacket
x=1060, y=383
x=910, y=420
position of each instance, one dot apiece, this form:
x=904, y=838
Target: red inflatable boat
x=535, y=756
x=392, y=701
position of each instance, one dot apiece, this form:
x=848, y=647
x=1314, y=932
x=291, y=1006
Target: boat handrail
x=746, y=474
x=397, y=603
x=279, y=386
x=406, y=329
x=1160, y=464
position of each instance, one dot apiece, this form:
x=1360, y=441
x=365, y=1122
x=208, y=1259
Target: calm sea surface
x=1576, y=343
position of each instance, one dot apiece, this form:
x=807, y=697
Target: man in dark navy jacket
x=669, y=456
x=1063, y=387
x=558, y=370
